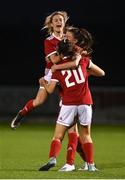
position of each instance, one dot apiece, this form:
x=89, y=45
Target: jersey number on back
x=78, y=74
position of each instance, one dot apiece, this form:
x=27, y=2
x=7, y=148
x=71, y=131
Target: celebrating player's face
x=70, y=37
x=58, y=23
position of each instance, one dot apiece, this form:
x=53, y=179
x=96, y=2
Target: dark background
x=21, y=56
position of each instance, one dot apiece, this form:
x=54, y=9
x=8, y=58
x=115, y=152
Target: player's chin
x=59, y=29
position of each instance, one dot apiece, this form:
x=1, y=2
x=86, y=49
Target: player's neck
x=58, y=35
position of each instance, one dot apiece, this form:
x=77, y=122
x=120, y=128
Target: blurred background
x=22, y=58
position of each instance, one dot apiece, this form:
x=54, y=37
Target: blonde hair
x=48, y=20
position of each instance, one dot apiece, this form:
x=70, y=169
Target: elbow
x=49, y=92
x=103, y=73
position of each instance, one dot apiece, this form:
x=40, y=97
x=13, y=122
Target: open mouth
x=59, y=26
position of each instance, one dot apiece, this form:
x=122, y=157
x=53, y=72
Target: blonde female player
x=55, y=23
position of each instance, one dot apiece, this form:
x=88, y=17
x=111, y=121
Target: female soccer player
x=76, y=98
x=74, y=35
x=55, y=23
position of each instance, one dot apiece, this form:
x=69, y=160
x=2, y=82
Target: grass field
x=24, y=150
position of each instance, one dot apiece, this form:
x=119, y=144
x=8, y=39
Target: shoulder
x=49, y=38
x=48, y=41
x=85, y=61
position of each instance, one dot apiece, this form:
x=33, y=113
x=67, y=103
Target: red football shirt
x=74, y=84
x=50, y=45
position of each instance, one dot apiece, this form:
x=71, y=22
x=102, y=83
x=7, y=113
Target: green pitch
x=24, y=150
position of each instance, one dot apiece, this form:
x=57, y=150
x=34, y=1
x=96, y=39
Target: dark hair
x=83, y=37
x=65, y=48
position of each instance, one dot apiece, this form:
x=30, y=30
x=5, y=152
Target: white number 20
x=79, y=78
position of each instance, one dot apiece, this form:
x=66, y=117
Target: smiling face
x=58, y=23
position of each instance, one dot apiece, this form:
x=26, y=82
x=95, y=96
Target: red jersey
x=50, y=45
x=74, y=84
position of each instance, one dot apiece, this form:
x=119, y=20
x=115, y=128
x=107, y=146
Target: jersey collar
x=56, y=37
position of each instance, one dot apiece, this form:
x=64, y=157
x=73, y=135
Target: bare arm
x=67, y=65
x=95, y=70
x=54, y=58
x=49, y=87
